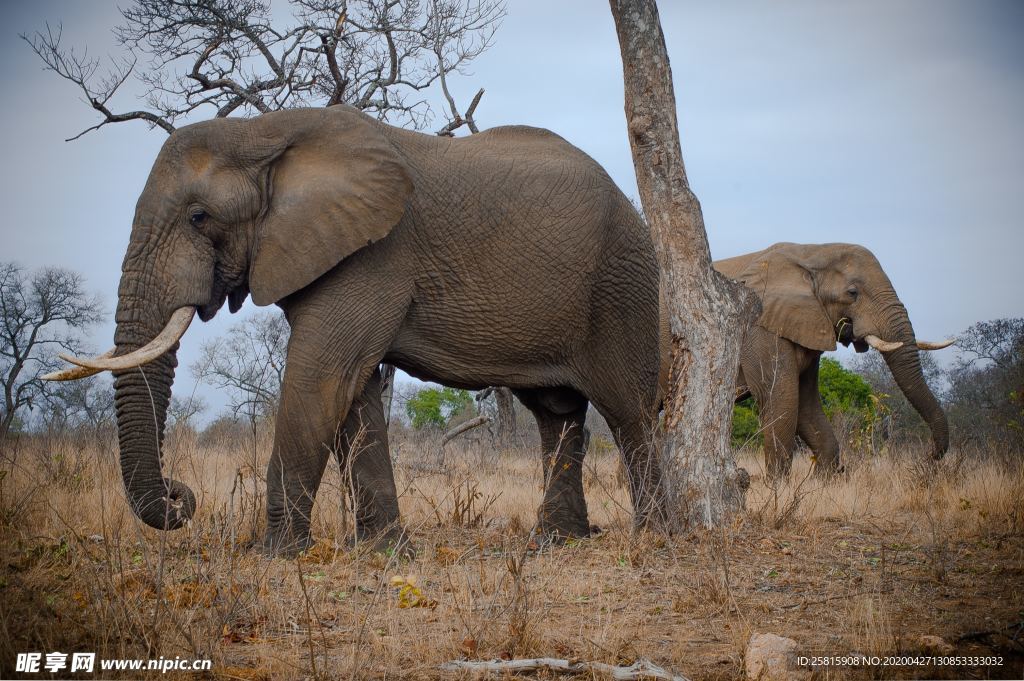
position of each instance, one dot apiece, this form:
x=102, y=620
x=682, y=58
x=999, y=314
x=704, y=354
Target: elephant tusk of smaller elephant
x=929, y=345
x=163, y=342
x=75, y=373
x=881, y=345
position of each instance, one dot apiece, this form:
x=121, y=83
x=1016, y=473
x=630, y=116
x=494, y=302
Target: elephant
x=505, y=258
x=813, y=295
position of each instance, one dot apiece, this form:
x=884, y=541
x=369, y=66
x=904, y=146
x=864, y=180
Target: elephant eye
x=852, y=293
x=197, y=217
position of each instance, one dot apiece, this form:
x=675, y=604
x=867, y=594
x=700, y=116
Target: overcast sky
x=892, y=124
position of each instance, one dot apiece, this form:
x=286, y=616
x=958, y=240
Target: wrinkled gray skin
x=806, y=292
x=506, y=258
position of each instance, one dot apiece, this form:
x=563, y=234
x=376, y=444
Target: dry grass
x=866, y=563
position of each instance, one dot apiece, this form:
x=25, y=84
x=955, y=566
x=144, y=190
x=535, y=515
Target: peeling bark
x=708, y=314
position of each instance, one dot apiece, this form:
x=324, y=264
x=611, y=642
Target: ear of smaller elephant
x=789, y=305
x=337, y=188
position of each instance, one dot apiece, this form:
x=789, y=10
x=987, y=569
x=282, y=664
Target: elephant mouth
x=235, y=296
x=844, y=331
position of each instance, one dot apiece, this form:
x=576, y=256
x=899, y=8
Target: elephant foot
x=826, y=470
x=774, y=477
x=286, y=544
x=559, y=526
x=393, y=541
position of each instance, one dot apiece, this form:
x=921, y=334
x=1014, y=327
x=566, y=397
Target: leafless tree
x=41, y=314
x=708, y=314
x=985, y=399
x=181, y=412
x=87, y=403
x=248, y=363
x=223, y=57
x=998, y=341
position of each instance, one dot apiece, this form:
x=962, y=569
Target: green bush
x=436, y=406
x=745, y=424
x=842, y=390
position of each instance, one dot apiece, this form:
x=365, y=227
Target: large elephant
x=813, y=295
x=505, y=258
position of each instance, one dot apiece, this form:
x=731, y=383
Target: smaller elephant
x=813, y=295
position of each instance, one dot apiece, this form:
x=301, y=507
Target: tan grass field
x=868, y=563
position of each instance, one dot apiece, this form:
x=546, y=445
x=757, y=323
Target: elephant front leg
x=307, y=421
x=366, y=468
x=814, y=426
x=779, y=428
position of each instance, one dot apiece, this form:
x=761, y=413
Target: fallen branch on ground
x=641, y=669
x=463, y=427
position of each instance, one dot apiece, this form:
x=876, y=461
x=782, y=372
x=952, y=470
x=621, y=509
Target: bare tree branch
x=376, y=55
x=458, y=430
x=80, y=70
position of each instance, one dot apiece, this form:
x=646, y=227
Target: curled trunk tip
x=170, y=510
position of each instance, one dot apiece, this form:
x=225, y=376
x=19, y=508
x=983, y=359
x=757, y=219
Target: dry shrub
x=79, y=572
x=871, y=626
x=978, y=496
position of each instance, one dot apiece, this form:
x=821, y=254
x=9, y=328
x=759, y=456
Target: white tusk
x=75, y=373
x=928, y=345
x=881, y=345
x=174, y=330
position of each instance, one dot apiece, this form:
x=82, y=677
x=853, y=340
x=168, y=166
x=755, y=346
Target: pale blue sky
x=893, y=124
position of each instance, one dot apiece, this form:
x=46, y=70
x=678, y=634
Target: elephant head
x=815, y=295
x=266, y=205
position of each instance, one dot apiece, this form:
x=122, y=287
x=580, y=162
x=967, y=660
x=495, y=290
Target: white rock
x=773, y=658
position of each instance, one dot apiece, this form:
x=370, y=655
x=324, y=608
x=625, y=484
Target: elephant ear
x=337, y=186
x=785, y=283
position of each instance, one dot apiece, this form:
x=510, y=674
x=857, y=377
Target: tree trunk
x=506, y=414
x=708, y=314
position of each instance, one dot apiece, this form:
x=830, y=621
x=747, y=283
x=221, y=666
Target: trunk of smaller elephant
x=141, y=397
x=905, y=365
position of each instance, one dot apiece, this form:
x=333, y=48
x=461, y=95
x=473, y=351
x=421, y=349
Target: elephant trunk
x=905, y=365
x=142, y=395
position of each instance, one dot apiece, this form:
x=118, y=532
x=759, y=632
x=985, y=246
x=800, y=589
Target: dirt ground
x=866, y=564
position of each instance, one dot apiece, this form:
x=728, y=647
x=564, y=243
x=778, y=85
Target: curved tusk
x=163, y=342
x=928, y=345
x=75, y=373
x=881, y=345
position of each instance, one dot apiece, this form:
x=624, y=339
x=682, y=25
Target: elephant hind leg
x=560, y=414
